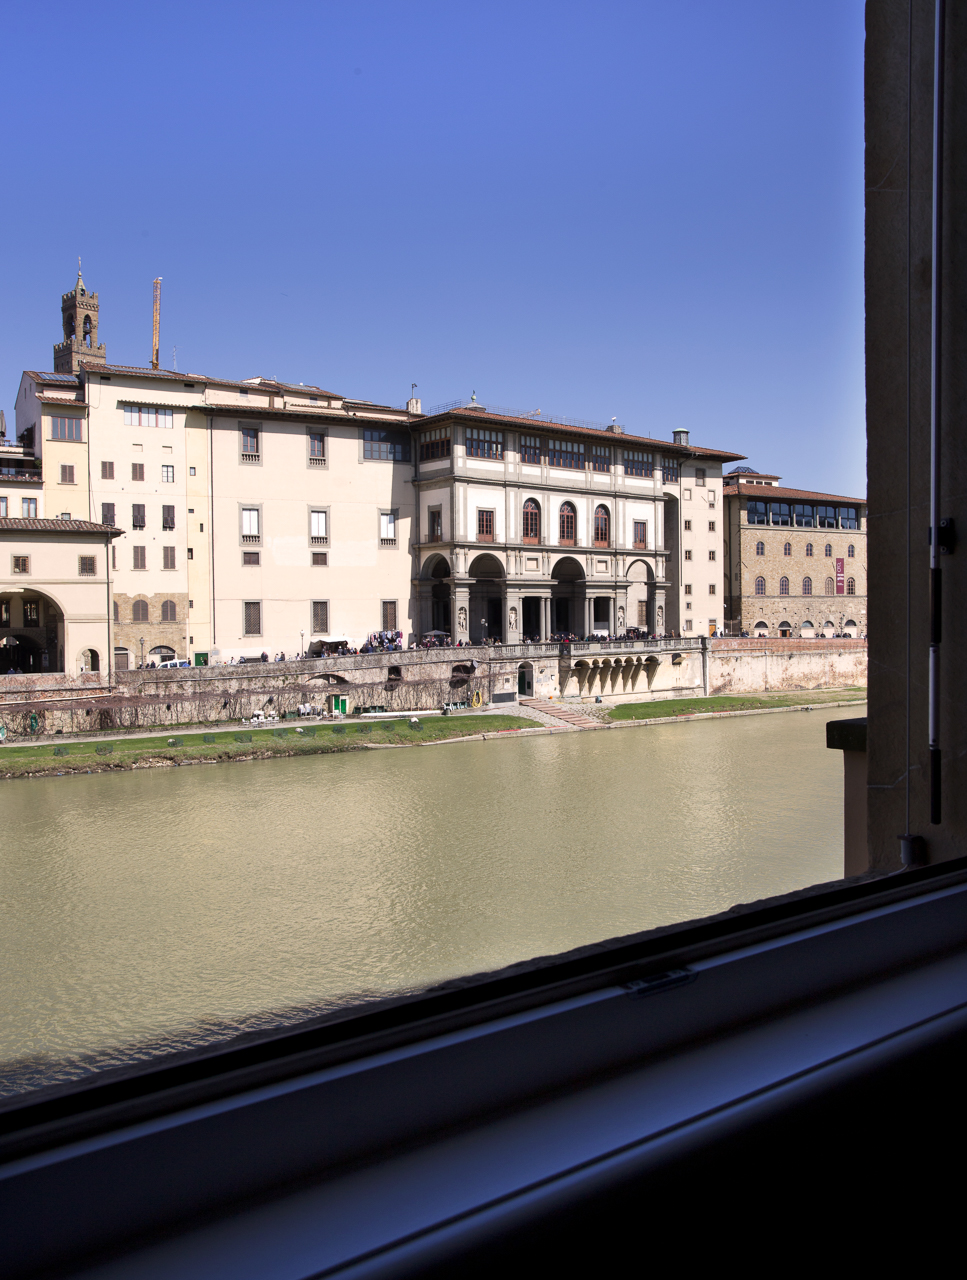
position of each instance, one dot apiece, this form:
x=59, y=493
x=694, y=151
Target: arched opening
x=122, y=659
x=161, y=653
x=169, y=611
x=532, y=522
x=439, y=573
x=807, y=630
x=602, y=527
x=568, y=522
x=761, y=629
x=487, y=593
x=785, y=630
x=641, y=605
x=68, y=327
x=139, y=611
x=21, y=654
x=87, y=331
x=90, y=660
x=31, y=632
x=850, y=628
x=525, y=680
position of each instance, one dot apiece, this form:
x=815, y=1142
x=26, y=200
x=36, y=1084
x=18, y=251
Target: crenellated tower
x=79, y=315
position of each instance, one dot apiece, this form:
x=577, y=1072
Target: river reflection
x=164, y=908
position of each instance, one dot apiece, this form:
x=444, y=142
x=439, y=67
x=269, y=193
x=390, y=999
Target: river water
x=159, y=909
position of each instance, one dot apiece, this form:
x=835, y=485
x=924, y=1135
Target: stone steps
x=577, y=719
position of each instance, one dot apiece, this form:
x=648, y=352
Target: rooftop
x=58, y=526
x=774, y=493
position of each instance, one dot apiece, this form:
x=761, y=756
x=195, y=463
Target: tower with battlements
x=79, y=314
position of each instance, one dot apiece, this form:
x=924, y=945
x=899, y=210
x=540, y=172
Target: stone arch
x=525, y=680
x=485, y=565
x=641, y=609
x=488, y=592
x=88, y=332
x=435, y=567
x=88, y=660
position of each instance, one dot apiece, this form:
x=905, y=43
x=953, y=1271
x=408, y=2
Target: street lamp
x=141, y=642
x=302, y=644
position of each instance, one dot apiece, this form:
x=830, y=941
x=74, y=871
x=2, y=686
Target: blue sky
x=647, y=210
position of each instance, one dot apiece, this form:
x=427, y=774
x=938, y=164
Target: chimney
x=681, y=437
x=413, y=405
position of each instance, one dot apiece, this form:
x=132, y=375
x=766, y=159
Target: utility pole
x=156, y=326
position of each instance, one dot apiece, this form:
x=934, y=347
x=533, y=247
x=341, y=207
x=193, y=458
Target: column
x=545, y=613
x=460, y=612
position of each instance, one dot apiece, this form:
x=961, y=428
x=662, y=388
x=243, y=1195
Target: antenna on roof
x=156, y=325
x=174, y=359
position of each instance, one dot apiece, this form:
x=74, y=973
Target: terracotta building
x=795, y=560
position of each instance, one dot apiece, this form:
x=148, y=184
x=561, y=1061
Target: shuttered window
x=169, y=557
x=107, y=470
x=253, y=617
x=107, y=513
x=167, y=517
x=87, y=566
x=169, y=611
x=137, y=470
x=67, y=475
x=389, y=615
x=140, y=557
x=320, y=617
x=137, y=515
x=139, y=611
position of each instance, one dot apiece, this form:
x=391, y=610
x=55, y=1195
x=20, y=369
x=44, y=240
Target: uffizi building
x=236, y=517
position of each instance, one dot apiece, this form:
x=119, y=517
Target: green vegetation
x=747, y=702
x=128, y=753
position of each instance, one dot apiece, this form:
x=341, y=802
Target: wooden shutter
x=320, y=617
x=107, y=470
x=140, y=557
x=107, y=513
x=389, y=615
x=169, y=557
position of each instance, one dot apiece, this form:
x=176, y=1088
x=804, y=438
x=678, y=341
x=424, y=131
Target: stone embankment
x=419, y=680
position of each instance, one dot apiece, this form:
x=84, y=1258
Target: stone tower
x=79, y=312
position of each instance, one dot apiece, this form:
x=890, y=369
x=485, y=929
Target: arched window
x=760, y=548
x=117, y=612
x=532, y=521
x=809, y=548
x=602, y=527
x=783, y=586
x=568, y=524
x=760, y=586
x=87, y=331
x=169, y=611
x=829, y=586
x=851, y=551
x=807, y=587
x=829, y=548
x=139, y=611
x=787, y=549
x=851, y=586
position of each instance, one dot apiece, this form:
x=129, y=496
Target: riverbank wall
x=420, y=680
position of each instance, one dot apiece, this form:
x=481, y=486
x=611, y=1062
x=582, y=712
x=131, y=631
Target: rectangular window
x=711, y=555
x=435, y=444
x=847, y=518
x=28, y=507
x=21, y=564
x=107, y=470
x=317, y=448
x=687, y=624
x=711, y=588
x=755, y=513
x=4, y=613
x=107, y=513
x=137, y=515
x=386, y=446
x=711, y=526
x=251, y=557
x=140, y=558
x=253, y=617
x=804, y=515
x=31, y=613
x=387, y=529
x=190, y=552
x=137, y=470
x=435, y=525
x=66, y=475
x=640, y=528
x=530, y=449
x=780, y=513
x=250, y=445
x=167, y=517
x=688, y=526
x=600, y=457
x=143, y=415
x=688, y=588
x=169, y=557
x=318, y=528
x=87, y=566
x=826, y=517
x=3, y=508
x=670, y=470
x=639, y=463
x=320, y=617
x=688, y=555
x=484, y=443
x=66, y=429
x=167, y=475
x=566, y=453
x=250, y=524
x=643, y=614
x=389, y=615
x=699, y=477
x=191, y=471
x=114, y=558
x=485, y=526
x=320, y=559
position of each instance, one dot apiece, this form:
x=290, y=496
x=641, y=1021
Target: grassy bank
x=746, y=702
x=239, y=744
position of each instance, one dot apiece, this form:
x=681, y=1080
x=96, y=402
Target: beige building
x=55, y=593
x=795, y=559
x=264, y=516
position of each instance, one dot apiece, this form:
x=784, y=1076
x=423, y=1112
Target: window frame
x=567, y=511
x=66, y=473
x=390, y=445
x=246, y=606
x=389, y=604
x=317, y=539
x=250, y=457
x=20, y=566
x=484, y=442
x=313, y=629
x=486, y=518
x=63, y=432
x=388, y=513
x=602, y=520
x=529, y=513
x=250, y=539
x=317, y=461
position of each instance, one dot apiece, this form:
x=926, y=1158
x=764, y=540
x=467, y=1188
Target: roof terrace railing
x=535, y=415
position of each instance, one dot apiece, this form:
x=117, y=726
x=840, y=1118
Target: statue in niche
x=462, y=618
x=621, y=619
x=513, y=618
x=659, y=618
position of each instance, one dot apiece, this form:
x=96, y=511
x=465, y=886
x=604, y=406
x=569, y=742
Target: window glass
x=826, y=517
x=566, y=453
x=387, y=527
x=755, y=513
x=250, y=522
x=600, y=457
x=638, y=463
x=530, y=449
x=318, y=526
x=136, y=415
x=805, y=516
x=386, y=446
x=780, y=513
x=67, y=429
x=568, y=523
x=435, y=444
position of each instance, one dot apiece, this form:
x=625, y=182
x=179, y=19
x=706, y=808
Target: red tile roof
x=57, y=526
x=770, y=492
x=545, y=427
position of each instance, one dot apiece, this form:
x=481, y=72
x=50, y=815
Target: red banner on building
x=841, y=577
